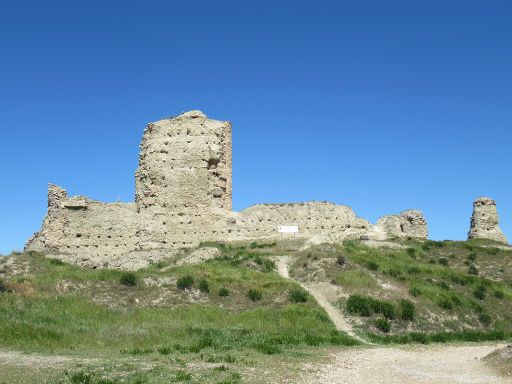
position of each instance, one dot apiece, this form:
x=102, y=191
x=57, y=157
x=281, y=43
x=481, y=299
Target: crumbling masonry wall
x=183, y=196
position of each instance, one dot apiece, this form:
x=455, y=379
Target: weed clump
x=443, y=261
x=383, y=325
x=185, y=282
x=254, y=294
x=480, y=292
x=3, y=287
x=415, y=291
x=298, y=295
x=499, y=294
x=372, y=266
x=407, y=310
x=204, y=286
x=445, y=303
x=367, y=306
x=223, y=292
x=340, y=260
x=56, y=262
x=128, y=279
x=473, y=270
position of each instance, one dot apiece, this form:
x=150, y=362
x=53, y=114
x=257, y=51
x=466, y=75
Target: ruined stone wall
x=312, y=218
x=409, y=223
x=183, y=196
x=86, y=229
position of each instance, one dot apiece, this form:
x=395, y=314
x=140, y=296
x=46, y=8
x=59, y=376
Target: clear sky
x=379, y=105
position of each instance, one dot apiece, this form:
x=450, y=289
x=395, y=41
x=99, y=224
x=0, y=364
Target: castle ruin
x=183, y=196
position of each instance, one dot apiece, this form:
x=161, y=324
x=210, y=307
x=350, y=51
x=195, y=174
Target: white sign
x=288, y=229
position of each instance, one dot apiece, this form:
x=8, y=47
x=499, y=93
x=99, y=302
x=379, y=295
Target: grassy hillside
x=232, y=310
x=229, y=319
x=438, y=290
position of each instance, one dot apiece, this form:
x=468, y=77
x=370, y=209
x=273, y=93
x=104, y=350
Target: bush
x=340, y=260
x=473, y=270
x=128, y=279
x=415, y=291
x=56, y=262
x=359, y=305
x=269, y=265
x=472, y=256
x=385, y=308
x=485, y=319
x=298, y=295
x=372, y=265
x=499, y=295
x=411, y=252
x=3, y=287
x=204, y=286
x=185, y=282
x=223, y=292
x=407, y=310
x=383, y=325
x=254, y=294
x=445, y=303
x=443, y=261
x=366, y=306
x=480, y=292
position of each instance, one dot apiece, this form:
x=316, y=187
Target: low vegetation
x=235, y=311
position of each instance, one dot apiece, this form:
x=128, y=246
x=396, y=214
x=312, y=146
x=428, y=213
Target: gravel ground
x=438, y=364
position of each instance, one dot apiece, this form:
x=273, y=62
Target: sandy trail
x=438, y=364
x=322, y=292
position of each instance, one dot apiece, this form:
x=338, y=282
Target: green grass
x=427, y=283
x=50, y=320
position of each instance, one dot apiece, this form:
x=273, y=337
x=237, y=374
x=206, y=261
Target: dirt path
x=323, y=294
x=438, y=364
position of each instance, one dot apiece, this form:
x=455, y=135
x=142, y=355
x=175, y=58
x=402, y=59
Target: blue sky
x=379, y=105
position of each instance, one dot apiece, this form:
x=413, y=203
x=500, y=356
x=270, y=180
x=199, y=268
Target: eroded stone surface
x=485, y=221
x=183, y=197
x=409, y=223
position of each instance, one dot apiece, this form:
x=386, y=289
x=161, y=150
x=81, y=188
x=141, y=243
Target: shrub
x=366, y=306
x=425, y=247
x=182, y=376
x=473, y=270
x=385, y=308
x=269, y=265
x=415, y=291
x=128, y=279
x=407, y=310
x=164, y=350
x=372, y=265
x=472, y=256
x=411, y=252
x=254, y=294
x=204, y=286
x=443, y=261
x=485, y=319
x=340, y=260
x=185, y=282
x=56, y=262
x=298, y=295
x=3, y=286
x=359, y=305
x=445, y=303
x=223, y=292
x=383, y=325
x=480, y=292
x=499, y=294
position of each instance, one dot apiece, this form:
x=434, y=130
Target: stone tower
x=485, y=221
x=184, y=180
